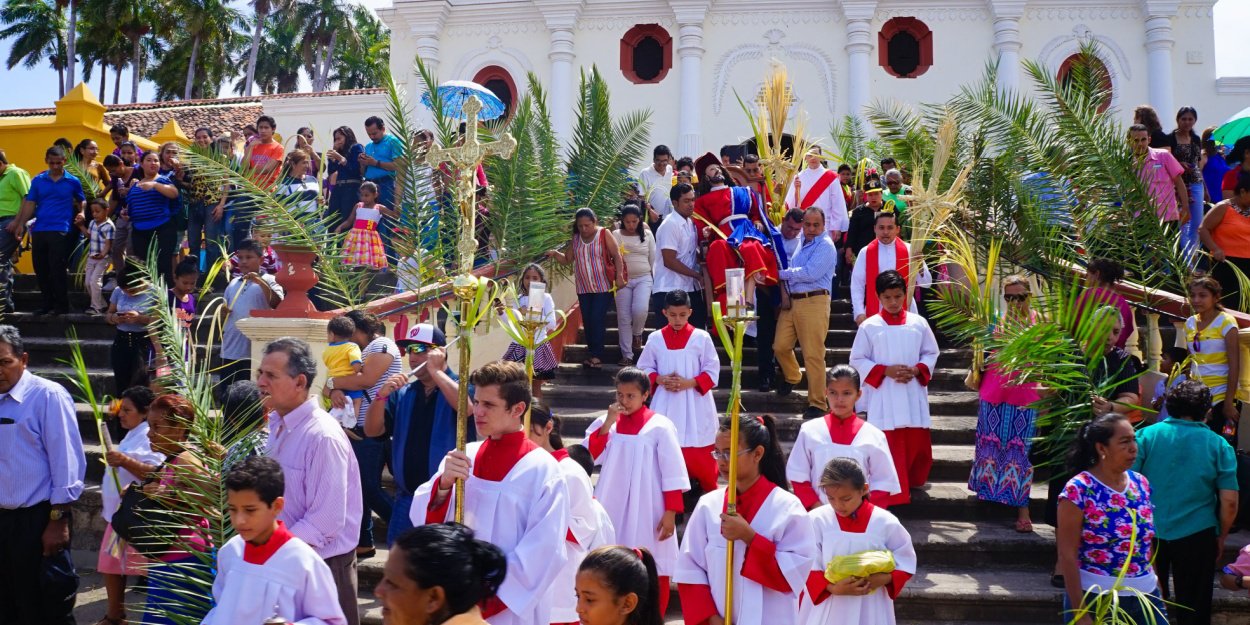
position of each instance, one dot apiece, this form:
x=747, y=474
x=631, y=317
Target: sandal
x=1024, y=526
x=1056, y=580
x=105, y=620
x=626, y=362
x=592, y=363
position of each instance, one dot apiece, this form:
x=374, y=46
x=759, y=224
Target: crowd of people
x=815, y=539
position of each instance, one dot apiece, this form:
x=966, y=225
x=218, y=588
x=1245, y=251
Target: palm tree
x=206, y=23
x=136, y=20
x=277, y=64
x=326, y=24
x=101, y=43
x=213, y=54
x=71, y=40
x=38, y=32
x=365, y=63
x=262, y=9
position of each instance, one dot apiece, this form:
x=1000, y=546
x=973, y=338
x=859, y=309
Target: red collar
x=677, y=339
x=857, y=523
x=843, y=430
x=560, y=454
x=752, y=499
x=633, y=422
x=259, y=554
x=893, y=319
x=496, y=457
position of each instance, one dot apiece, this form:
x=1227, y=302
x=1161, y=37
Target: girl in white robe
x=841, y=434
x=773, y=543
x=895, y=353
x=642, y=476
x=684, y=358
x=585, y=514
x=848, y=525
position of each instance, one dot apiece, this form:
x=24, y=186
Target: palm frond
x=603, y=149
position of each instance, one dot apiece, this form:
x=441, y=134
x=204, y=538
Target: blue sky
x=37, y=88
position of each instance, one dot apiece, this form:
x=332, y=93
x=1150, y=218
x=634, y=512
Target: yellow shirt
x=1209, y=360
x=341, y=357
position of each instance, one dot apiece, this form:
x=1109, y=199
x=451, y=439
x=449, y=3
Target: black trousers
x=166, y=240
x=50, y=253
x=698, y=314
x=1191, y=563
x=129, y=356
x=34, y=590
x=766, y=331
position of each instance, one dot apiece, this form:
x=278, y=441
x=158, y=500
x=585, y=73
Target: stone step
x=96, y=352
x=944, y=378
x=836, y=320
x=577, y=397
x=87, y=326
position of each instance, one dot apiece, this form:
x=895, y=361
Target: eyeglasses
x=724, y=455
x=1016, y=297
x=418, y=348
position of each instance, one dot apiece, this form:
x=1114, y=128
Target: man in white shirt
x=677, y=240
x=655, y=182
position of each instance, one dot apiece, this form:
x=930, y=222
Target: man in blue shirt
x=807, y=321
x=1193, y=474
x=55, y=200
x=43, y=468
x=379, y=167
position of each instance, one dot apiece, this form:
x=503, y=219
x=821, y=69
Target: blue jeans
x=1189, y=229
x=168, y=583
x=400, y=521
x=594, y=319
x=370, y=454
x=202, y=227
x=1133, y=607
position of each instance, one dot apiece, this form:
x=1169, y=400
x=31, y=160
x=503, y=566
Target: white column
x=427, y=49
x=1159, y=44
x=690, y=114
x=859, y=37
x=1007, y=43
x=561, y=57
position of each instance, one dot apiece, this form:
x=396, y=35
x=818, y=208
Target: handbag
x=614, y=271
x=142, y=521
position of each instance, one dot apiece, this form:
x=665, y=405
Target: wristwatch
x=56, y=514
x=330, y=383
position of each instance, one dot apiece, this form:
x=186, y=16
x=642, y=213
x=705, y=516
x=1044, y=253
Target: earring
x=1104, y=456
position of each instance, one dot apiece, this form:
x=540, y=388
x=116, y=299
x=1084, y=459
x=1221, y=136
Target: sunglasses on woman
x=1016, y=297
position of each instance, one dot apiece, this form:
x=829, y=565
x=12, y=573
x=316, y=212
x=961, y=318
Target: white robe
x=527, y=516
x=294, y=580
x=885, y=262
x=636, y=470
x=894, y=405
x=884, y=532
x=814, y=448
x=136, y=445
x=586, y=522
x=832, y=203
x=692, y=413
x=781, y=520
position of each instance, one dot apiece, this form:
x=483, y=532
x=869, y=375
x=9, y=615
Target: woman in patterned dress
x=1001, y=470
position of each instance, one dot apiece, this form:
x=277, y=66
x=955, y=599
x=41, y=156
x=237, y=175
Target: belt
x=352, y=181
x=732, y=218
x=807, y=294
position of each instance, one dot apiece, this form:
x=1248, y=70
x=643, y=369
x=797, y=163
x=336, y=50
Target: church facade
x=691, y=61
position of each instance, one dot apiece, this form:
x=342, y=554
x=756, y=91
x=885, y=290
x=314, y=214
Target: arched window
x=905, y=47
x=1095, y=64
x=499, y=82
x=646, y=54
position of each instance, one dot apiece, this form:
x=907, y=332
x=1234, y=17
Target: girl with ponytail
x=619, y=586
x=438, y=574
x=774, y=544
x=587, y=519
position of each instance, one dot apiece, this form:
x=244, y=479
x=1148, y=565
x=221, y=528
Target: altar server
x=514, y=496
x=265, y=571
x=874, y=552
x=773, y=549
x=683, y=365
x=840, y=434
x=885, y=253
x=642, y=477
x=895, y=352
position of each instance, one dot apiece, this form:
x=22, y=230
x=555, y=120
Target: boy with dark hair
x=342, y=357
x=265, y=571
x=514, y=493
x=250, y=291
x=895, y=353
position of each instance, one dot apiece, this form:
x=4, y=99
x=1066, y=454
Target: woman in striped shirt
x=1211, y=336
x=598, y=270
x=150, y=202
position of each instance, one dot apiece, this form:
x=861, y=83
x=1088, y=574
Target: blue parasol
x=454, y=93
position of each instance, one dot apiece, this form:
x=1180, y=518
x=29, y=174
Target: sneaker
x=812, y=412
x=784, y=388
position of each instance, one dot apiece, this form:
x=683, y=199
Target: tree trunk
x=328, y=61
x=117, y=83
x=251, y=56
x=316, y=68
x=195, y=54
x=104, y=72
x=136, y=65
x=71, y=39
x=60, y=79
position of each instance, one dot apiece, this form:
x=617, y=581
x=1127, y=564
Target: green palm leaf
x=603, y=150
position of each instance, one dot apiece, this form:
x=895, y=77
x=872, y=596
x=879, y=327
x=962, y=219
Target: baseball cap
x=424, y=333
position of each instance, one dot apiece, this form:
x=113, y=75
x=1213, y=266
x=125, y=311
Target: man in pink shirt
x=323, y=502
x=1161, y=173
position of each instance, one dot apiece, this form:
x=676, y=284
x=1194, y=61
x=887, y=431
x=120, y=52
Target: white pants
x=95, y=275
x=632, y=303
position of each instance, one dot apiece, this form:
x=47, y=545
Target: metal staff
x=524, y=326
x=739, y=315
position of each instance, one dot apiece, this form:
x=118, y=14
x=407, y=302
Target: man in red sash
x=822, y=188
x=886, y=252
x=716, y=215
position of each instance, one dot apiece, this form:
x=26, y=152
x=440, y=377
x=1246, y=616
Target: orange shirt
x=262, y=155
x=1233, y=233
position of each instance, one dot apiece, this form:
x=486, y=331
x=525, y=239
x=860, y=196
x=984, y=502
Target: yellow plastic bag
x=860, y=564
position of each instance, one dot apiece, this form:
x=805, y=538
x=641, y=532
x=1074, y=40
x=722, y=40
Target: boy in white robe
x=895, y=352
x=841, y=434
x=514, y=496
x=265, y=571
x=684, y=367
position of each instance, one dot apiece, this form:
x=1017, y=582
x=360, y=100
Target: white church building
x=686, y=59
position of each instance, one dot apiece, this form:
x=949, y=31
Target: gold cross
x=464, y=159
